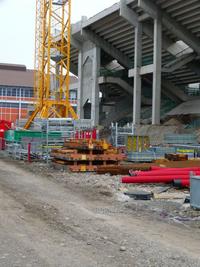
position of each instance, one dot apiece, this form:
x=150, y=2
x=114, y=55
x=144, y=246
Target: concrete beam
x=75, y=43
x=143, y=17
x=170, y=67
x=73, y=68
x=175, y=91
x=143, y=70
x=132, y=17
x=178, y=63
x=120, y=110
x=195, y=66
x=149, y=7
x=107, y=47
x=128, y=13
x=118, y=81
x=180, y=31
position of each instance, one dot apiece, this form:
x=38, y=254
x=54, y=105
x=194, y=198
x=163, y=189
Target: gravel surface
x=51, y=218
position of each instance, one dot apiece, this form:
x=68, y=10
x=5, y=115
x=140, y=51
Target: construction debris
x=176, y=157
x=83, y=155
x=140, y=195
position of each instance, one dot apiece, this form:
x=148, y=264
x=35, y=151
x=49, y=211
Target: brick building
x=16, y=91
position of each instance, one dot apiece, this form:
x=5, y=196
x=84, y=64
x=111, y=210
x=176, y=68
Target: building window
x=73, y=94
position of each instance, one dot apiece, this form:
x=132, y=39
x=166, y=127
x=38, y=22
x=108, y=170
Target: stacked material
x=176, y=176
x=18, y=135
x=176, y=157
x=145, y=156
x=119, y=169
x=180, y=139
x=84, y=155
x=4, y=126
x=160, y=151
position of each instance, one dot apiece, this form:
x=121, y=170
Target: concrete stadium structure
x=136, y=57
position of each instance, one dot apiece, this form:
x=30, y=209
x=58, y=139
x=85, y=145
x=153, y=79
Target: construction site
x=100, y=141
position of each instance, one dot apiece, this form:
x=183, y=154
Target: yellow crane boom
x=52, y=60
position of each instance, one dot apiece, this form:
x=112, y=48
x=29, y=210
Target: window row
x=12, y=105
x=26, y=92
x=16, y=91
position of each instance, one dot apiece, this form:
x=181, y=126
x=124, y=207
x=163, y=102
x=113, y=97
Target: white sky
x=17, y=26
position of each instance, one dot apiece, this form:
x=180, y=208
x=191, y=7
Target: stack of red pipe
x=180, y=177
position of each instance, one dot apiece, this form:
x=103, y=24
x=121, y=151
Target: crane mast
x=52, y=60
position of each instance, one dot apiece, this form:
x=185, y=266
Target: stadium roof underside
x=113, y=31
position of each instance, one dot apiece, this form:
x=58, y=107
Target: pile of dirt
x=157, y=133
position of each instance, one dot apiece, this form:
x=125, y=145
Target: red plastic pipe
x=163, y=172
x=153, y=168
x=157, y=168
x=153, y=179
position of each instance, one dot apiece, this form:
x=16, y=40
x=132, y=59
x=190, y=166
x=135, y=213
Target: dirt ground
x=53, y=218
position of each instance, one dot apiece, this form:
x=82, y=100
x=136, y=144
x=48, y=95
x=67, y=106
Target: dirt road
x=43, y=223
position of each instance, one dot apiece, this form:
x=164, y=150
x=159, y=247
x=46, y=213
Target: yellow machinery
x=137, y=143
x=52, y=60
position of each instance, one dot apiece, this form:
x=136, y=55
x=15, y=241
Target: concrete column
x=80, y=89
x=137, y=76
x=88, y=89
x=95, y=86
x=157, y=71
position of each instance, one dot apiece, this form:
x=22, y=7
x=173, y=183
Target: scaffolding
x=52, y=60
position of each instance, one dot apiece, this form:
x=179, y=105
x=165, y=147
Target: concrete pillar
x=95, y=86
x=157, y=71
x=80, y=82
x=88, y=89
x=137, y=77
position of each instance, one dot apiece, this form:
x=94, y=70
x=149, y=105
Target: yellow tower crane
x=52, y=60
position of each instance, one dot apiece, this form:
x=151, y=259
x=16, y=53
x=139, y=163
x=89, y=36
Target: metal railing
x=46, y=135
x=119, y=134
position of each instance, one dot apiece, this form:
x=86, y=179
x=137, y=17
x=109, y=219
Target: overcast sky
x=17, y=25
